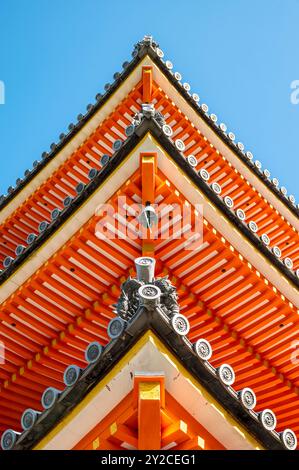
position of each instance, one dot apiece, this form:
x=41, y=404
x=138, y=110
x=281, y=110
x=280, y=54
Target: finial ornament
x=146, y=290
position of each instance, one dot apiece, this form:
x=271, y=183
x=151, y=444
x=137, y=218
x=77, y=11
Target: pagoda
x=149, y=281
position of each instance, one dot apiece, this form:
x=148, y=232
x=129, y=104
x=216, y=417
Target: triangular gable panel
x=107, y=416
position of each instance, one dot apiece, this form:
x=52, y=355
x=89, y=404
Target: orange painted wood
x=147, y=84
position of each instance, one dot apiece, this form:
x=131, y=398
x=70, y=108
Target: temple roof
x=150, y=125
x=149, y=47
x=124, y=333
x=239, y=290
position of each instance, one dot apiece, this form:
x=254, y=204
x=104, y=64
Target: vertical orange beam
x=147, y=84
x=149, y=395
x=149, y=416
x=148, y=166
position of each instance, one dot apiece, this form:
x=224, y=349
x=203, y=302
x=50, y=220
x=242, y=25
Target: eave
x=147, y=55
x=181, y=348
x=150, y=125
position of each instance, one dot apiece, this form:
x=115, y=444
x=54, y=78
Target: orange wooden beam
x=148, y=166
x=175, y=432
x=149, y=411
x=147, y=84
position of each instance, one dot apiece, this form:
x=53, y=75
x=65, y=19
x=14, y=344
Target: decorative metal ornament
x=8, y=439
x=267, y=173
x=180, y=145
x=180, y=324
x=268, y=419
x=160, y=53
x=283, y=190
x=93, y=352
x=19, y=250
x=80, y=188
x=228, y=202
x=148, y=217
x=213, y=117
x=116, y=327
x=145, y=269
x=149, y=294
x=29, y=418
x=147, y=110
x=204, y=174
x=178, y=76
x=49, y=397
x=241, y=214
x=226, y=374
x=205, y=108
x=167, y=130
x=240, y=146
x=223, y=127
x=169, y=65
x=289, y=439
x=55, y=214
x=142, y=290
x=276, y=251
x=288, y=262
x=92, y=173
x=43, y=226
x=67, y=201
x=130, y=130
x=292, y=199
x=31, y=237
x=195, y=97
x=247, y=398
x=71, y=375
x=203, y=349
x=249, y=155
x=104, y=159
x=117, y=144
x=253, y=226
x=265, y=239
x=192, y=161
x=275, y=182
x=7, y=261
x=258, y=164
x=216, y=188
x=231, y=136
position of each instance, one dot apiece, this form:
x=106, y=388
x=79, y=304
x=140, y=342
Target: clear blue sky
x=240, y=56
